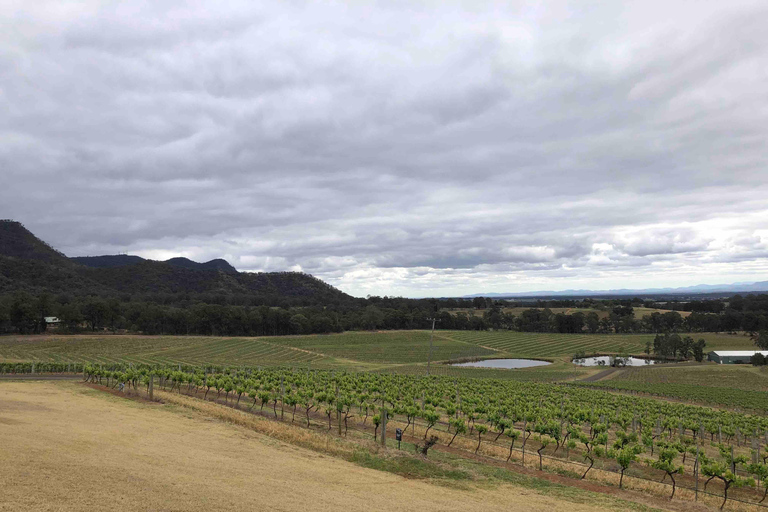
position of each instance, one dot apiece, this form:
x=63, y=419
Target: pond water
x=504, y=363
x=614, y=361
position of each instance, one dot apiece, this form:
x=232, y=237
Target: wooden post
x=696, y=472
x=338, y=409
x=151, y=386
x=33, y=368
x=383, y=427
x=458, y=398
x=755, y=446
x=525, y=424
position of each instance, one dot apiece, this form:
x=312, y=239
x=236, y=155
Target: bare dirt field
x=69, y=447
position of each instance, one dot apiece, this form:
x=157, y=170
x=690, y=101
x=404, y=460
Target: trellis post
x=383, y=427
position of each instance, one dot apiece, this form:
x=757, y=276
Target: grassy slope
x=167, y=457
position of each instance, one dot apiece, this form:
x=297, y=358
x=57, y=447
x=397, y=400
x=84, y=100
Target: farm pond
x=504, y=363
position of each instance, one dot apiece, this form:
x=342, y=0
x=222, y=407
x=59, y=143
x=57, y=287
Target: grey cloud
x=390, y=148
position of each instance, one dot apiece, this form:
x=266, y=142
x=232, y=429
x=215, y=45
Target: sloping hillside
x=16, y=241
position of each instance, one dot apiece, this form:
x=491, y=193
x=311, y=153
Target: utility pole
x=431, y=335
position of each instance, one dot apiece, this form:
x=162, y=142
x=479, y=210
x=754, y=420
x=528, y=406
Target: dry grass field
x=602, y=313
x=69, y=447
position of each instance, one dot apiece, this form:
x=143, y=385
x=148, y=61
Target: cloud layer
x=396, y=148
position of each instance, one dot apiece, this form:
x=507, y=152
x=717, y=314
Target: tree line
x=23, y=312
x=619, y=318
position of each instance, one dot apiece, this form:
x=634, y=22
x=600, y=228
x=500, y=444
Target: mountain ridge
x=29, y=264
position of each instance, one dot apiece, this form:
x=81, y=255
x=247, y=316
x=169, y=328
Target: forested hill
x=30, y=265
x=18, y=242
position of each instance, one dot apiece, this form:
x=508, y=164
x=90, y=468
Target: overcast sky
x=396, y=148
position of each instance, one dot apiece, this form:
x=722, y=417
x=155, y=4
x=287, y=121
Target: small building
x=733, y=356
x=52, y=320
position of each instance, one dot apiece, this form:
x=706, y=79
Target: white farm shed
x=733, y=356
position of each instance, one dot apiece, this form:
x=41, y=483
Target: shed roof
x=738, y=353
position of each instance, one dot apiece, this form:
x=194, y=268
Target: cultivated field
x=69, y=447
x=354, y=350
x=743, y=377
x=732, y=386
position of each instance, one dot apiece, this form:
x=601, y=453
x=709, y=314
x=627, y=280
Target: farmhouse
x=52, y=320
x=733, y=356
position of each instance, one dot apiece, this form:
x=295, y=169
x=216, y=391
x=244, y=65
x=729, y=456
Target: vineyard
x=732, y=386
x=722, y=396
x=527, y=344
x=352, y=350
x=582, y=431
x=723, y=375
x=154, y=350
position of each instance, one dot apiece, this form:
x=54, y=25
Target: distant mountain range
x=29, y=264
x=700, y=289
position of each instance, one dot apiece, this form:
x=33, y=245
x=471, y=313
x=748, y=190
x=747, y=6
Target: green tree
x=23, y=313
x=299, y=324
x=592, y=321
x=761, y=339
x=95, y=312
x=698, y=350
